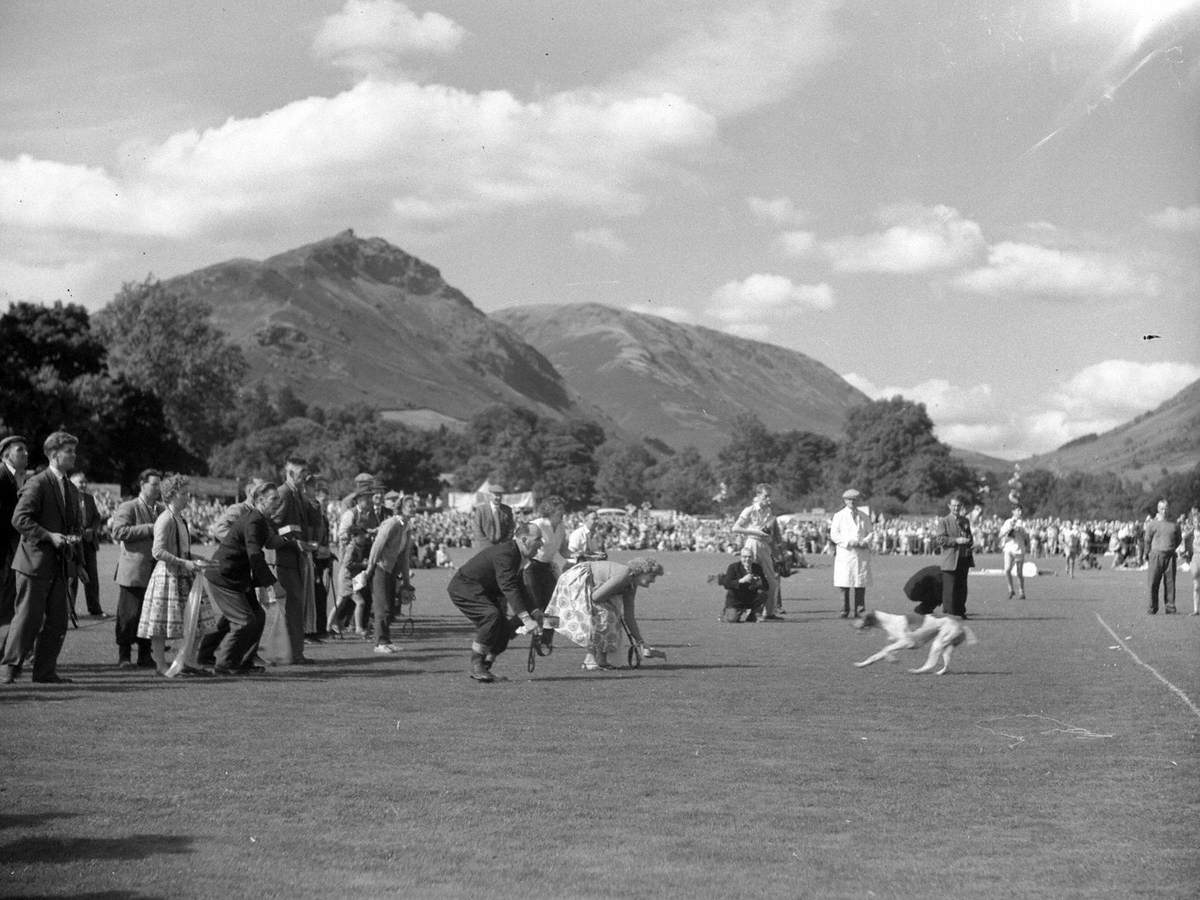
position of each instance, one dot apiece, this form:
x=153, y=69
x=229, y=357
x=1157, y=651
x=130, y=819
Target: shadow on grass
x=645, y=671
x=59, y=850
x=27, y=820
x=99, y=895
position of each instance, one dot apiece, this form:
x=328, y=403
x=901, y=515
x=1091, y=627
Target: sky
x=992, y=208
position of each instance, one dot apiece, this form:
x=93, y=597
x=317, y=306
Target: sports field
x=1058, y=758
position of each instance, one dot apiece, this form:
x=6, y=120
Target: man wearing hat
x=46, y=516
x=492, y=520
x=850, y=533
x=14, y=457
x=388, y=560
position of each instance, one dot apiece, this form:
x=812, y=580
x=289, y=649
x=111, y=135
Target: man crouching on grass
x=480, y=588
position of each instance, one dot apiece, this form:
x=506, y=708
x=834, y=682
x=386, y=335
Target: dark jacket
x=41, y=509
x=494, y=572
x=239, y=562
x=739, y=594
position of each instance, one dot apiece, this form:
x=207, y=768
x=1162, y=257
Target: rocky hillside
x=682, y=384
x=351, y=320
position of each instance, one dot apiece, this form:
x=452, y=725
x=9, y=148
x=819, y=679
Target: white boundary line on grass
x=1153, y=671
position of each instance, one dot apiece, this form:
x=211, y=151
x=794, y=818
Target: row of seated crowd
x=438, y=529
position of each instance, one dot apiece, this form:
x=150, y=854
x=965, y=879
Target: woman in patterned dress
x=171, y=580
x=592, y=597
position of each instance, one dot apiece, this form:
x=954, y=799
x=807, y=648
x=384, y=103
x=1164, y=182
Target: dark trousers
x=91, y=588
x=129, y=612
x=493, y=629
x=39, y=623
x=540, y=581
x=232, y=643
x=321, y=573
x=954, y=589
x=383, y=598
x=8, y=595
x=1162, y=571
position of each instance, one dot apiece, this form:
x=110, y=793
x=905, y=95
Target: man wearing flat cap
x=14, y=457
x=47, y=518
x=492, y=520
x=850, y=532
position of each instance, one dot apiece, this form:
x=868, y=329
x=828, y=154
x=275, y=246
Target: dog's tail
x=971, y=639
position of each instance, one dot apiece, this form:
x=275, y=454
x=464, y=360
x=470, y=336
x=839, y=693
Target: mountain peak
x=345, y=255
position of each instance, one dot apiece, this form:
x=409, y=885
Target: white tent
x=464, y=501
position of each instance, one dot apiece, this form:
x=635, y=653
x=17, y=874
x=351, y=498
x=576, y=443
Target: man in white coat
x=850, y=532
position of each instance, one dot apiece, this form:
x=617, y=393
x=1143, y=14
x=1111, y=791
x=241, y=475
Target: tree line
x=149, y=380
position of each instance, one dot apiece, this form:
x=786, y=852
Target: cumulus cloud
x=1178, y=219
x=778, y=211
x=1121, y=389
x=743, y=59
x=915, y=239
x=604, y=238
x=797, y=243
x=372, y=36
x=757, y=305
x=1095, y=399
x=1033, y=270
x=375, y=154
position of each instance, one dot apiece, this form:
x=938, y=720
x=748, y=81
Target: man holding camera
x=745, y=588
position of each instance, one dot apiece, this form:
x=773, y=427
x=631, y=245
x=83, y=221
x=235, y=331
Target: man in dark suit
x=14, y=457
x=89, y=546
x=481, y=588
x=283, y=639
x=953, y=538
x=47, y=519
x=239, y=567
x=133, y=526
x=745, y=588
x=492, y=521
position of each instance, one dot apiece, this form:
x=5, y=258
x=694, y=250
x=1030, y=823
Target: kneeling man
x=745, y=588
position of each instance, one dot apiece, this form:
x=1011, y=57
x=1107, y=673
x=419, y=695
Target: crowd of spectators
x=437, y=529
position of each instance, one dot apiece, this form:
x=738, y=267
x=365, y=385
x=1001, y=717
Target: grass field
x=757, y=761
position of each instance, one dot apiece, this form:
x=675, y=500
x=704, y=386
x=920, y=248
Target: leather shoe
x=53, y=679
x=125, y=664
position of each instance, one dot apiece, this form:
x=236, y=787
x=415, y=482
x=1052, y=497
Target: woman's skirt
x=198, y=618
x=595, y=626
x=162, y=610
